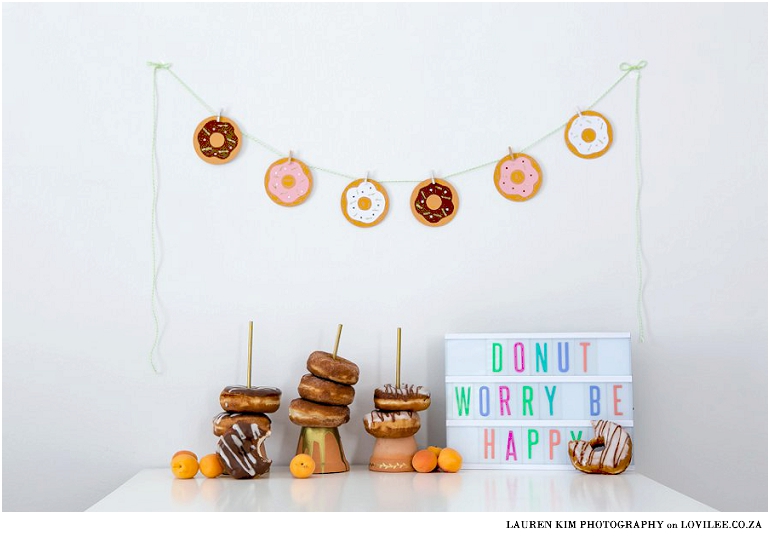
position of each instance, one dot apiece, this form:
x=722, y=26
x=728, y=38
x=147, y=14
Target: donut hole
x=288, y=181
x=364, y=203
x=433, y=202
x=597, y=443
x=217, y=140
x=518, y=176
x=588, y=135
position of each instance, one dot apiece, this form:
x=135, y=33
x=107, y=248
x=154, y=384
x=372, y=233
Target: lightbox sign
x=515, y=400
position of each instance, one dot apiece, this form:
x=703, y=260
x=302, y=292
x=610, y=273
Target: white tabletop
x=361, y=490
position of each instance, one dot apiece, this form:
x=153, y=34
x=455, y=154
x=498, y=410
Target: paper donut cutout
x=434, y=202
x=217, y=140
x=364, y=203
x=588, y=134
x=518, y=177
x=288, y=183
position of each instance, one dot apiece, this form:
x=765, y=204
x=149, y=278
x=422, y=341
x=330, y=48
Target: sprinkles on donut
x=588, y=134
x=217, y=140
x=434, y=202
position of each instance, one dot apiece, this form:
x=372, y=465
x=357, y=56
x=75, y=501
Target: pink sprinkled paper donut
x=518, y=177
x=288, y=183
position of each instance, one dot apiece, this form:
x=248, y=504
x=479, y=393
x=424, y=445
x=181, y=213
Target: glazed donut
x=434, y=202
x=588, y=135
x=217, y=140
x=364, y=203
x=392, y=424
x=313, y=415
x=240, y=449
x=403, y=398
x=242, y=399
x=224, y=421
x=337, y=369
x=612, y=459
x=288, y=183
x=323, y=391
x=518, y=177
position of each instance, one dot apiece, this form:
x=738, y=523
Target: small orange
x=424, y=461
x=184, y=466
x=211, y=466
x=435, y=450
x=191, y=453
x=450, y=460
x=302, y=466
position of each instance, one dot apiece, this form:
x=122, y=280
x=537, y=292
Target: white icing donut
x=588, y=135
x=364, y=203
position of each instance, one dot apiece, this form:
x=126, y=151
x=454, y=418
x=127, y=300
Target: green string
x=153, y=162
x=638, y=168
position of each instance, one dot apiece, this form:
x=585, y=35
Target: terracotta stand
x=393, y=455
x=325, y=446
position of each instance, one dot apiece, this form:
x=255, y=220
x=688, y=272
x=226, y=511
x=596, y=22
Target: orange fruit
x=191, y=453
x=302, y=466
x=184, y=466
x=435, y=450
x=449, y=460
x=211, y=466
x=424, y=461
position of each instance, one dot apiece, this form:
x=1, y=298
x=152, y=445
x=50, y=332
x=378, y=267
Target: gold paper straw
x=248, y=371
x=337, y=342
x=398, y=360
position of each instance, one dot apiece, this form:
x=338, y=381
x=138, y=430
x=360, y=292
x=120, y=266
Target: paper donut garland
x=588, y=134
x=434, y=202
x=364, y=202
x=217, y=140
x=288, y=182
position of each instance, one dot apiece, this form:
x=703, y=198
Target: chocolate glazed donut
x=239, y=398
x=225, y=140
x=240, y=450
x=434, y=202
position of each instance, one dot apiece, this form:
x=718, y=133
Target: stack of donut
x=325, y=393
x=243, y=427
x=396, y=410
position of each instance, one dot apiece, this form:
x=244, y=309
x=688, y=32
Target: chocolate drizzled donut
x=240, y=449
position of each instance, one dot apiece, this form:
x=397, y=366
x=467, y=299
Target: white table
x=361, y=490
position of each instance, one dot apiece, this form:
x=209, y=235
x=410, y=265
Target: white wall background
x=398, y=90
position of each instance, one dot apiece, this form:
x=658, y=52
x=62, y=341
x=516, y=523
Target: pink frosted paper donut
x=518, y=177
x=288, y=183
